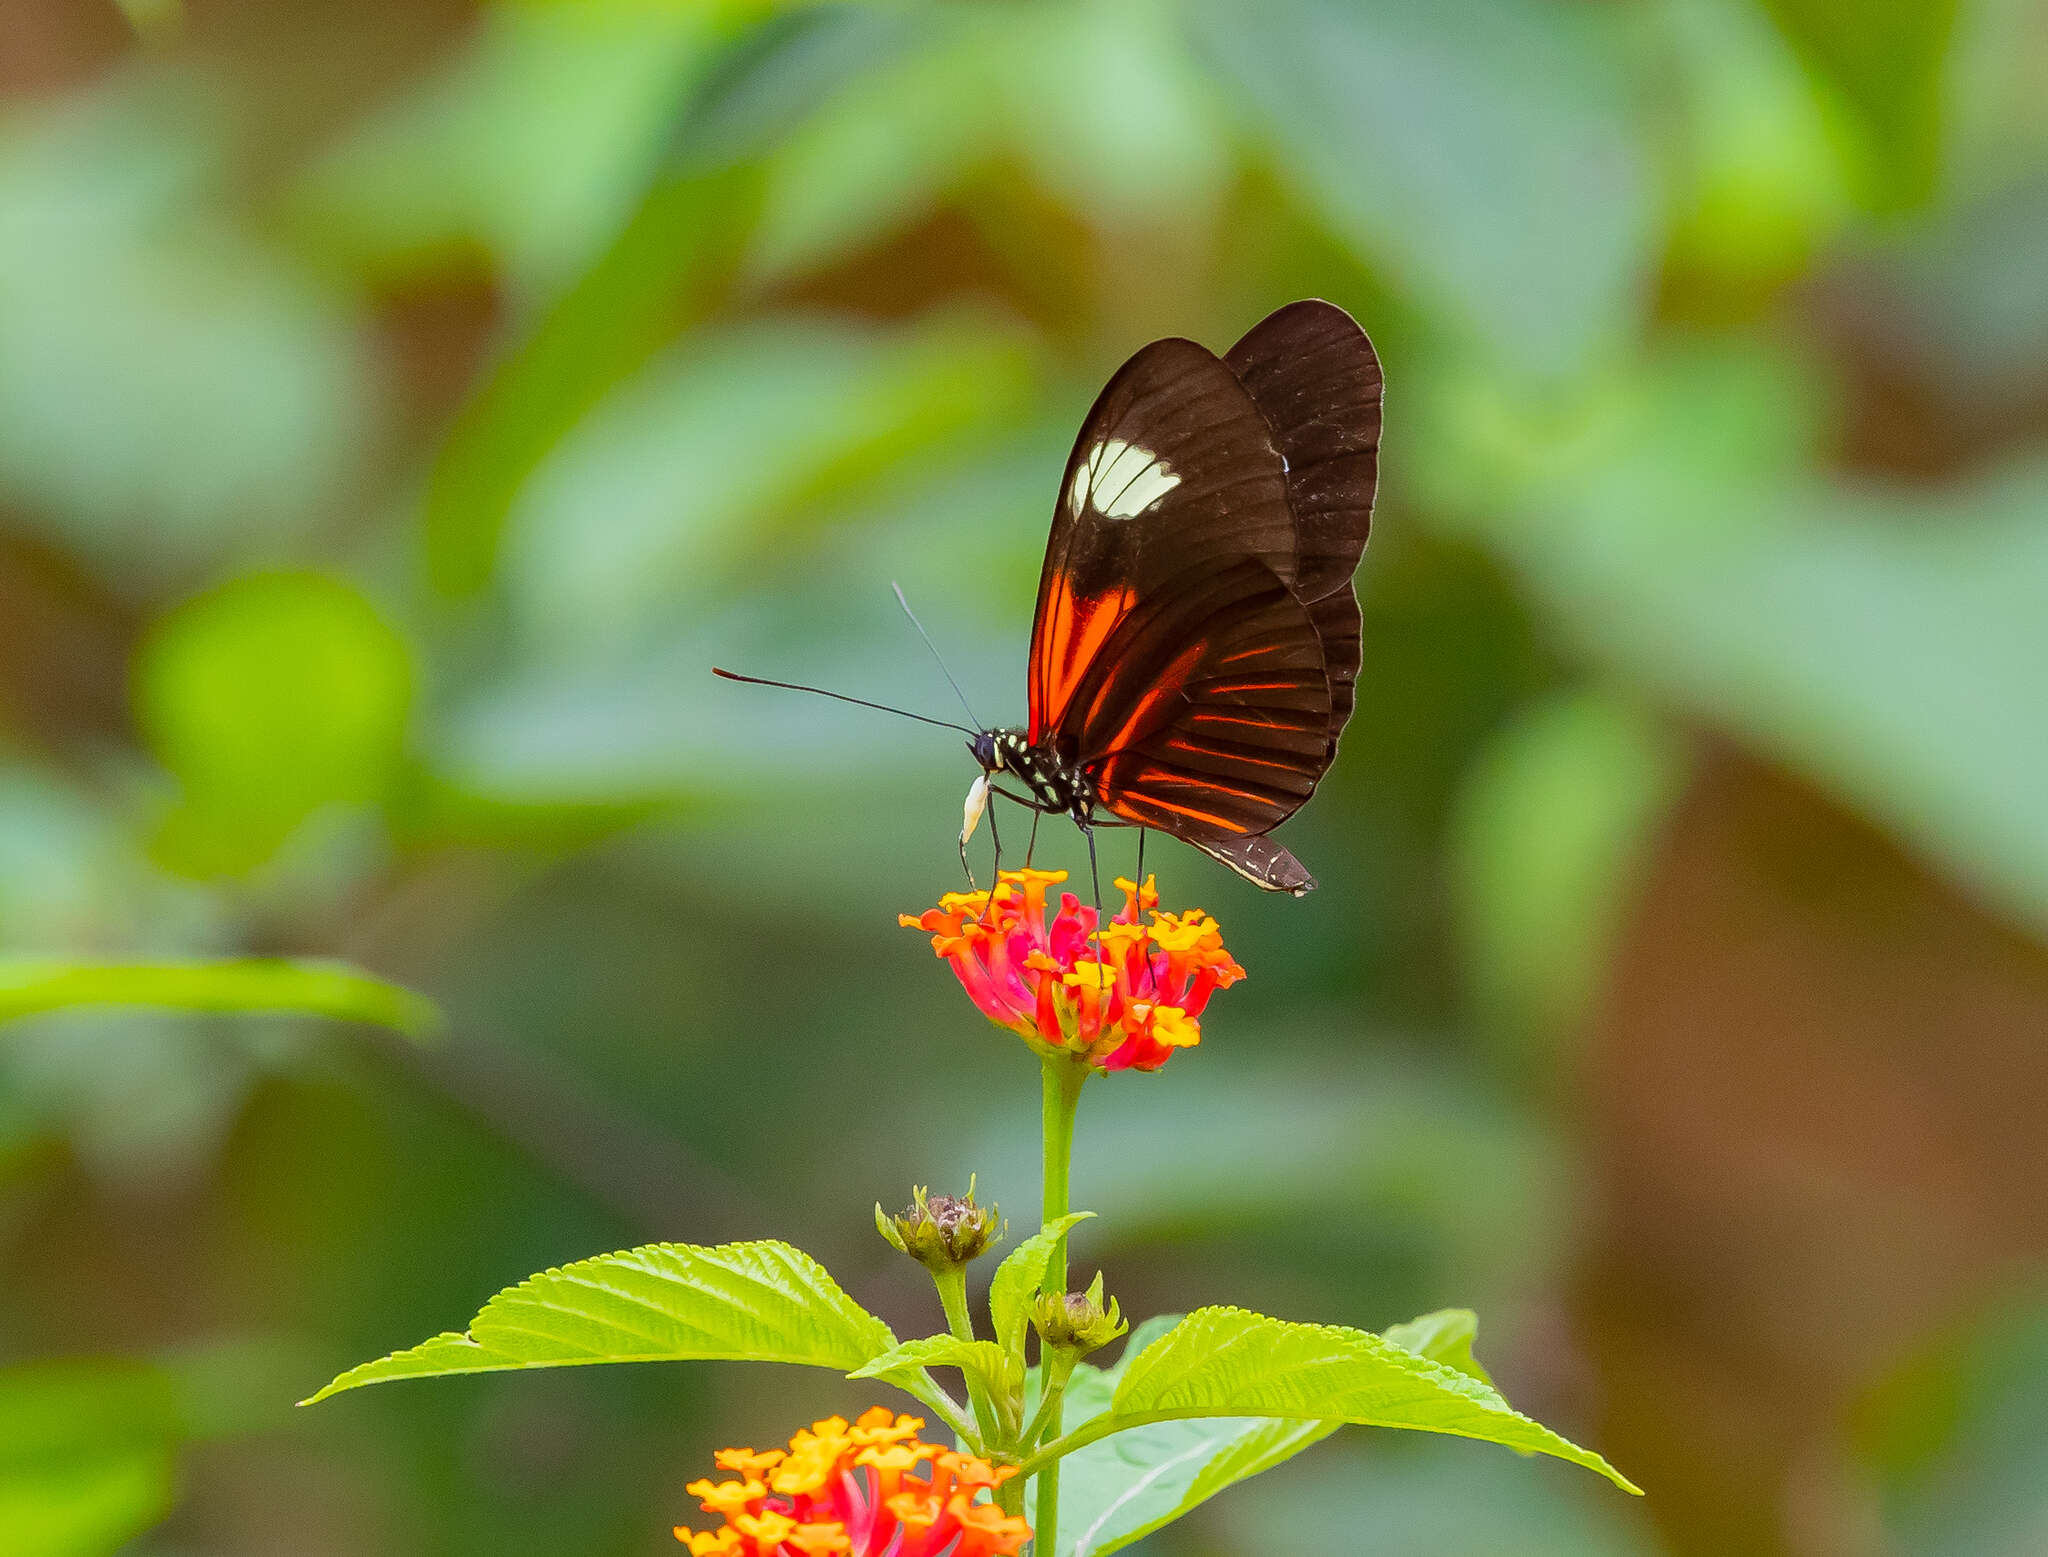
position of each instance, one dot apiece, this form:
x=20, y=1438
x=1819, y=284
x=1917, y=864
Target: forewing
x=1173, y=479
x=1316, y=379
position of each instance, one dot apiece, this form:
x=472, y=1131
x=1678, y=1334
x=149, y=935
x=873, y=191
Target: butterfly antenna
x=797, y=686
x=927, y=637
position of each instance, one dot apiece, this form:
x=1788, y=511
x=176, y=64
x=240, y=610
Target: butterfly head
x=1005, y=751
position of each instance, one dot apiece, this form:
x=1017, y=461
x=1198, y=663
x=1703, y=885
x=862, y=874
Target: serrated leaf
x=1227, y=1362
x=331, y=989
x=985, y=1360
x=1091, y=1388
x=1019, y=1277
x=742, y=1302
x=1444, y=1336
x=1117, y=1491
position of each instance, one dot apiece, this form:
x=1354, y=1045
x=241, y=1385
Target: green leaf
x=87, y=1455
x=669, y=264
x=1122, y=1488
x=1431, y=1500
x=460, y=163
x=1504, y=188
x=1552, y=832
x=742, y=1302
x=29, y=986
x=1887, y=59
x=900, y=1365
x=172, y=391
x=644, y=508
x=1227, y=1362
x=268, y=698
x=880, y=146
x=1692, y=552
x=1953, y=1442
x=88, y=1506
x=1018, y=1279
x=1766, y=174
x=1445, y=1336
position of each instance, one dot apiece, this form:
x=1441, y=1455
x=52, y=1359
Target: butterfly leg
x=1031, y=848
x=1141, y=898
x=1095, y=878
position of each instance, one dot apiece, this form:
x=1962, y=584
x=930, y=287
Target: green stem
x=1061, y=1094
x=1062, y=1077
x=1097, y=1428
x=951, y=1280
x=933, y=1394
x=1062, y=1369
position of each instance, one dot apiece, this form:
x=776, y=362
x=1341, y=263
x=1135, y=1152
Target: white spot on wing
x=1120, y=481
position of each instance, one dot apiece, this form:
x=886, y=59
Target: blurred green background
x=404, y=402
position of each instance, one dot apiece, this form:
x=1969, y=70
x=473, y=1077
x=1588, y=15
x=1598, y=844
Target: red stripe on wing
x=1252, y=686
x=1234, y=756
x=1138, y=722
x=1123, y=801
x=1075, y=627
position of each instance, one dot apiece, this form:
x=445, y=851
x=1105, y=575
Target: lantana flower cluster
x=1125, y=999
x=866, y=1489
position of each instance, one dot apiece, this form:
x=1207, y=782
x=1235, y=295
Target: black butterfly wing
x=1170, y=660
x=1174, y=479
x=1317, y=381
x=1197, y=639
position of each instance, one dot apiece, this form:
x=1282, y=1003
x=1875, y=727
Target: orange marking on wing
x=1246, y=654
x=1252, y=686
x=1052, y=633
x=1164, y=775
x=1249, y=724
x=1166, y=687
x=1155, y=803
x=1230, y=756
x=1077, y=626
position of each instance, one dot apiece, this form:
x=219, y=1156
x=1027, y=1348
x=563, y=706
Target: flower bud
x=941, y=1230
x=1079, y=1322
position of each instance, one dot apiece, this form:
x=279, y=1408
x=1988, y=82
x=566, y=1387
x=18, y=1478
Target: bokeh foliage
x=401, y=407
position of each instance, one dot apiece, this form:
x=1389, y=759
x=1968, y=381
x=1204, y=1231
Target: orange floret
x=855, y=1490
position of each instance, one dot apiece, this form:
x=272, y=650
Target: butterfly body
x=1196, y=640
x=1056, y=787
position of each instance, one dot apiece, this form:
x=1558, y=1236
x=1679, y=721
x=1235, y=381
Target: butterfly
x=1196, y=642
